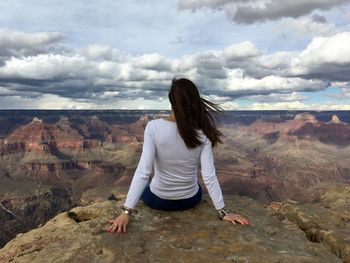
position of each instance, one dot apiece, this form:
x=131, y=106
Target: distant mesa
x=63, y=121
x=64, y=118
x=94, y=117
x=144, y=117
x=335, y=119
x=35, y=119
x=305, y=116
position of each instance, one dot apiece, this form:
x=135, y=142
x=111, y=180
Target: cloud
x=47, y=66
x=277, y=9
x=344, y=93
x=229, y=105
x=278, y=97
x=101, y=52
x=100, y=74
x=243, y=86
x=314, y=26
x=196, y=4
x=240, y=51
x=253, y=11
x=152, y=61
x=326, y=58
x=318, y=18
x=44, y=101
x=17, y=44
x=297, y=105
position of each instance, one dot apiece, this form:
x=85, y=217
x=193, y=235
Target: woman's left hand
x=233, y=218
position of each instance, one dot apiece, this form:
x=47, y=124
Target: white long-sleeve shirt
x=175, y=166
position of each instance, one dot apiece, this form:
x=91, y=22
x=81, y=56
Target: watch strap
x=222, y=212
x=127, y=210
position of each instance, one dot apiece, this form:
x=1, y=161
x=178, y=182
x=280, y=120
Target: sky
x=123, y=54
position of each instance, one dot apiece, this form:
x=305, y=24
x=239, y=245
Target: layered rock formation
x=54, y=151
x=39, y=136
x=304, y=125
x=280, y=232
x=279, y=160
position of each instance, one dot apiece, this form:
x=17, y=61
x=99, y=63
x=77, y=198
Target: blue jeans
x=156, y=202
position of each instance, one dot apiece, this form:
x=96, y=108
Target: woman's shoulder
x=154, y=123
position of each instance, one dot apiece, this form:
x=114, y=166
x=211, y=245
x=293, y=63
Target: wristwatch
x=222, y=212
x=127, y=210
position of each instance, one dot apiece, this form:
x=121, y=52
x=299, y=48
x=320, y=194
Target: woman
x=176, y=146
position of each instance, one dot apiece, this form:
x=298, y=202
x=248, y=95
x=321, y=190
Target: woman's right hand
x=233, y=218
x=119, y=224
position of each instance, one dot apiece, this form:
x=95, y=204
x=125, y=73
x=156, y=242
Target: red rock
x=304, y=125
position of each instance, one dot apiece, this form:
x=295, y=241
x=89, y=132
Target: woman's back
x=175, y=165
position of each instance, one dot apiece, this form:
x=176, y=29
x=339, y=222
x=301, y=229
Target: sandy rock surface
x=196, y=235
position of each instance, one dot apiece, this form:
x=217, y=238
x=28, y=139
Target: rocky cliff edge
x=280, y=232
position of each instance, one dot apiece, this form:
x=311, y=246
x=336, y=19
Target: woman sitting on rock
x=176, y=146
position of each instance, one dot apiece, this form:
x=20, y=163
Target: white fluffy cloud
x=47, y=67
x=269, y=84
x=12, y=39
x=325, y=58
x=274, y=97
x=314, y=26
x=240, y=51
x=297, y=105
x=101, y=52
x=152, y=61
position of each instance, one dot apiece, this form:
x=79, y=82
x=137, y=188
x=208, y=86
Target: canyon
x=51, y=163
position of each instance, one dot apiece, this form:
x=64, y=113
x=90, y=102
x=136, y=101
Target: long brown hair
x=193, y=112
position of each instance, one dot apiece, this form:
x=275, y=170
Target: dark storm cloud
x=319, y=19
x=250, y=12
x=335, y=72
x=277, y=9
